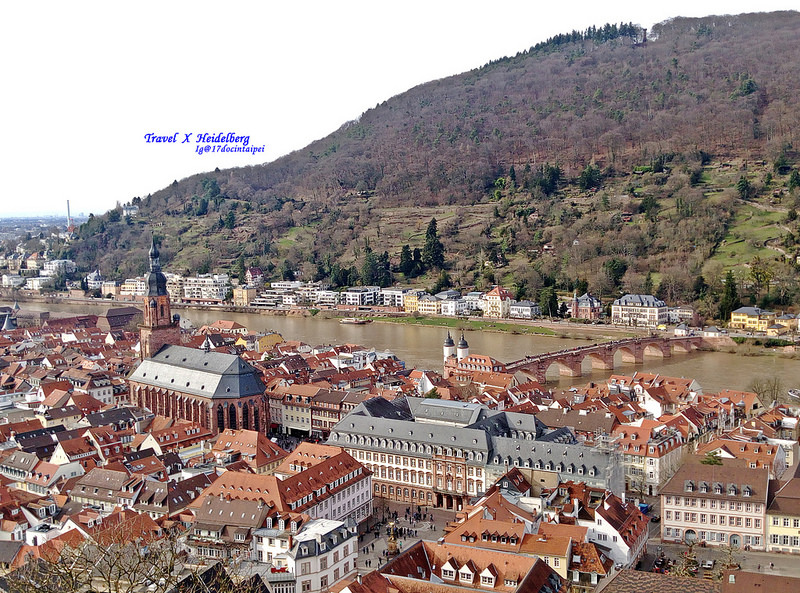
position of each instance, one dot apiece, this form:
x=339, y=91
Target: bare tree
x=121, y=559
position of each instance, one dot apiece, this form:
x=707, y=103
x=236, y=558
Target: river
x=421, y=347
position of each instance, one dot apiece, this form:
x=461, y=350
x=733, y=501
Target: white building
x=524, y=310
x=454, y=307
x=38, y=282
x=639, y=310
x=361, y=296
x=54, y=267
x=94, y=281
x=392, y=297
x=133, y=287
x=323, y=552
x=206, y=287
x=12, y=280
x=327, y=297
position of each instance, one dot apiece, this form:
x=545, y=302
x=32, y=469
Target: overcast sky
x=85, y=82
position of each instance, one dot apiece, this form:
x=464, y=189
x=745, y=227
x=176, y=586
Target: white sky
x=83, y=82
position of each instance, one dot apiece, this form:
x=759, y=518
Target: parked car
x=655, y=518
x=707, y=564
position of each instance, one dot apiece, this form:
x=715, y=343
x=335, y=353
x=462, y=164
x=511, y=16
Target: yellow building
x=752, y=318
x=242, y=295
x=429, y=305
x=411, y=301
x=498, y=303
x=783, y=519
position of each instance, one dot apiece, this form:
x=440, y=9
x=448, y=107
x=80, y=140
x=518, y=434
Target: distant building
x=586, y=306
x=639, y=310
x=94, y=281
x=752, y=318
x=524, y=310
x=244, y=295
x=498, y=303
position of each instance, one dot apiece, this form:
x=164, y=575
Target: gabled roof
x=208, y=374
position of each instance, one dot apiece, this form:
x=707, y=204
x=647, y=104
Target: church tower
x=158, y=327
x=449, y=348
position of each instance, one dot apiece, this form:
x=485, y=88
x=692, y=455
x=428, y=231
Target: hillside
x=592, y=159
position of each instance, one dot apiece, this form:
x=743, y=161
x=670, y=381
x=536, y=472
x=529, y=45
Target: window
x=305, y=568
x=448, y=573
x=557, y=561
x=305, y=586
x=323, y=563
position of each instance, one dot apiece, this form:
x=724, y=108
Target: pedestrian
x=759, y=567
x=772, y=566
x=373, y=546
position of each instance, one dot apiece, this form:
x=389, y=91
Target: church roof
x=214, y=375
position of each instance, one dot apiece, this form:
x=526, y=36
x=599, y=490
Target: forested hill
x=552, y=144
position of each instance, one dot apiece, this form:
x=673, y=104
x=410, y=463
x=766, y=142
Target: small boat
x=354, y=321
x=795, y=393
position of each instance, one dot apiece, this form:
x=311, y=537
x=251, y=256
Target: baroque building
x=442, y=453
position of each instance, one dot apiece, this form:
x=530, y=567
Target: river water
x=421, y=347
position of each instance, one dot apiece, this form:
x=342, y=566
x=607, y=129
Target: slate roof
x=639, y=300
x=213, y=375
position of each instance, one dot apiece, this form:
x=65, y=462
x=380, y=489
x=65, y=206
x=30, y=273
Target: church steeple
x=158, y=327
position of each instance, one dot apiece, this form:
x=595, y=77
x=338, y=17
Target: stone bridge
x=633, y=350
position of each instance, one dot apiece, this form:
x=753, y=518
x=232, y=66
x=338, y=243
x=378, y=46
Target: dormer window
x=688, y=486
x=704, y=487
x=747, y=491
x=732, y=490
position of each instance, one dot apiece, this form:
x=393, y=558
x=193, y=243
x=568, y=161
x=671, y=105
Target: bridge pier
x=635, y=356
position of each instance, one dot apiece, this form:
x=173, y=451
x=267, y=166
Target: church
x=213, y=389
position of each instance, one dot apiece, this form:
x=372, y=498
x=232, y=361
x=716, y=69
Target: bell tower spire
x=158, y=327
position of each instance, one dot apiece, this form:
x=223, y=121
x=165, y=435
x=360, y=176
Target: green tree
x=230, y=220
x=794, y=180
x=730, y=297
x=433, y=251
x=590, y=177
x=744, y=187
x=615, y=269
x=548, y=301
x=406, y=260
x=712, y=458
x=433, y=394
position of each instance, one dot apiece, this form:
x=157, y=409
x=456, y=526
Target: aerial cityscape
x=531, y=328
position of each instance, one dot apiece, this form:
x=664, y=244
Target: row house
x=186, y=439
x=651, y=453
x=254, y=448
x=103, y=489
x=223, y=527
x=323, y=552
x=457, y=568
x=754, y=454
x=716, y=504
x=338, y=487
x=163, y=500
x=783, y=517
